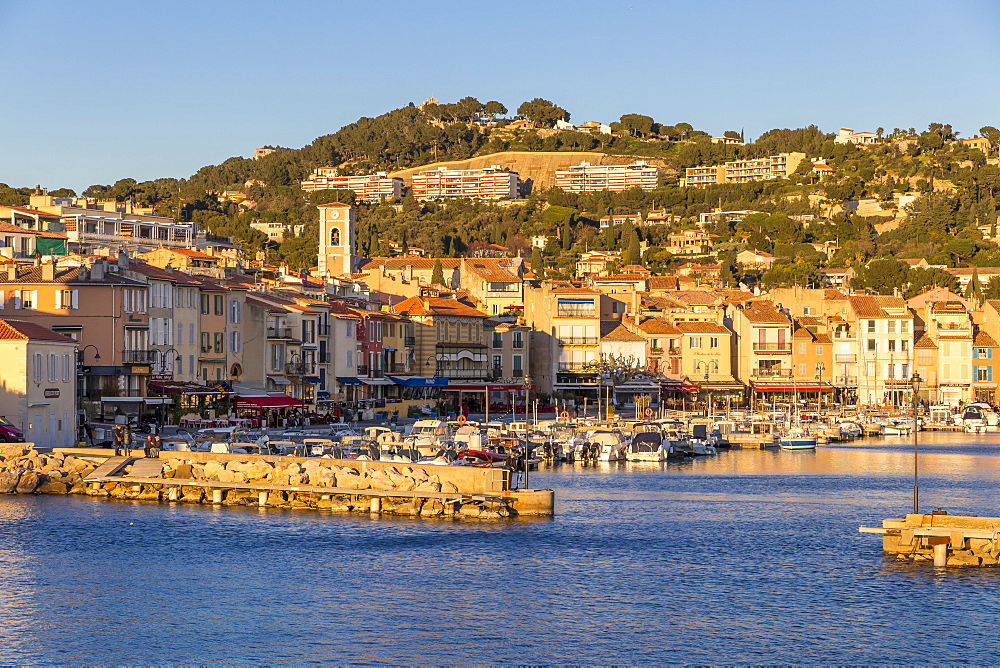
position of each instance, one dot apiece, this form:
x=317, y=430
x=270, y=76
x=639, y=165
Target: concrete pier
x=945, y=540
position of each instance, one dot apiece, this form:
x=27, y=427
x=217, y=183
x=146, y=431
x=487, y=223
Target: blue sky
x=105, y=90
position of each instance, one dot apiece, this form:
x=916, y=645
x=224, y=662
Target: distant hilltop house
x=981, y=143
x=588, y=178
x=720, y=216
x=752, y=259
x=596, y=262
x=660, y=217
x=264, y=151
x=731, y=141
x=743, y=171
x=275, y=230
x=692, y=241
x=849, y=136
x=590, y=126
x=366, y=187
x=621, y=219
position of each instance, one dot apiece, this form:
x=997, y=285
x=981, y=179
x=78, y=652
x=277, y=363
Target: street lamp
x=82, y=352
x=163, y=358
x=712, y=366
x=915, y=381
x=527, y=391
x=820, y=368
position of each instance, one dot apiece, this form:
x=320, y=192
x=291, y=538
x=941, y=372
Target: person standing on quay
x=127, y=440
x=116, y=437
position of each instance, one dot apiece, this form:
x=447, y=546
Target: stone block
x=212, y=471
x=52, y=487
x=29, y=482
x=193, y=495
x=8, y=481
x=963, y=558
x=183, y=472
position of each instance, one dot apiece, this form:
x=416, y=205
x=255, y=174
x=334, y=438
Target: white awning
x=376, y=381
x=279, y=380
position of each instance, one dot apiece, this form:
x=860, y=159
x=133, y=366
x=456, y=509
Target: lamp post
x=915, y=381
x=707, y=366
x=163, y=358
x=820, y=368
x=527, y=392
x=81, y=356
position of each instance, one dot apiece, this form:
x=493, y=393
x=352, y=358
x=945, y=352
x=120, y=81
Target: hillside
x=538, y=166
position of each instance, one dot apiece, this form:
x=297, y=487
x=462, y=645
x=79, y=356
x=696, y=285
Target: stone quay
x=946, y=540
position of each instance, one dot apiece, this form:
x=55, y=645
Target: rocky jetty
x=26, y=471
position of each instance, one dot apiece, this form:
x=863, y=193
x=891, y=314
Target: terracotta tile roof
x=925, y=342
x=657, y=326
x=695, y=297
x=30, y=212
x=701, y=328
x=865, y=306
x=764, y=312
x=22, y=330
x=662, y=283
x=822, y=338
x=802, y=333
x=614, y=331
x=190, y=252
x=436, y=306
x=65, y=275
x=967, y=271
x=396, y=263
x=833, y=295
x=984, y=340
x=810, y=320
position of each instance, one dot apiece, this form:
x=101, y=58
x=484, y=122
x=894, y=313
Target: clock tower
x=336, y=239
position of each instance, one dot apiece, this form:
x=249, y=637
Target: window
x=219, y=302
x=234, y=342
x=892, y=345
x=498, y=364
x=871, y=326
x=694, y=342
x=871, y=344
x=497, y=340
x=127, y=301
x=53, y=368
x=25, y=299
x=924, y=358
x=350, y=358
x=713, y=342
x=518, y=368
x=802, y=347
x=38, y=368
x=349, y=329
x=518, y=340
x=67, y=368
x=205, y=303
x=904, y=345
x=807, y=310
x=67, y=299
x=890, y=327
x=235, y=311
x=180, y=334
x=802, y=369
x=819, y=350
x=206, y=342
x=220, y=342
x=335, y=237
x=904, y=327
x=576, y=308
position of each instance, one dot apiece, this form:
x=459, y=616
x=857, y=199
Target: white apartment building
x=849, y=136
x=885, y=349
x=743, y=171
x=366, y=187
x=588, y=178
x=488, y=183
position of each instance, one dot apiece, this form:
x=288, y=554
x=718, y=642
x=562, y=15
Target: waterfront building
x=985, y=357
x=38, y=382
x=885, y=334
x=488, y=183
x=706, y=361
x=588, y=178
x=495, y=284
x=366, y=187
x=812, y=361
x=949, y=326
x=105, y=312
x=763, y=346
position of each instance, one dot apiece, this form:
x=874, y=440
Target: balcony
x=138, y=356
x=397, y=368
x=578, y=341
x=771, y=373
x=469, y=374
x=409, y=340
x=279, y=332
x=518, y=344
x=846, y=381
x=775, y=348
x=577, y=367
x=845, y=357
x=369, y=372
x=298, y=369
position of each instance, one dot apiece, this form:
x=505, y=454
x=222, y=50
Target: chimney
x=97, y=271
x=123, y=260
x=12, y=271
x=49, y=271
x=37, y=262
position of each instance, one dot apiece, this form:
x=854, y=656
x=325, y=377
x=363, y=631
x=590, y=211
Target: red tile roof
x=22, y=330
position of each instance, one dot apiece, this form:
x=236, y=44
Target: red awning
x=184, y=388
x=266, y=403
x=789, y=387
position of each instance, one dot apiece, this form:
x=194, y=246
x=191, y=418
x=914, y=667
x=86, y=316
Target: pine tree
x=567, y=235
x=437, y=274
x=975, y=288
x=632, y=250
x=537, y=262
x=726, y=275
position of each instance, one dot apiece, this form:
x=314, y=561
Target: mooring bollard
x=941, y=555
x=216, y=496
x=261, y=498
x=376, y=504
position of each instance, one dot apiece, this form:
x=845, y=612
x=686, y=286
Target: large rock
x=449, y=488
x=30, y=480
x=8, y=481
x=183, y=472
x=13, y=451
x=212, y=471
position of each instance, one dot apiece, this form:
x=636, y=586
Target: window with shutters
x=38, y=368
x=219, y=342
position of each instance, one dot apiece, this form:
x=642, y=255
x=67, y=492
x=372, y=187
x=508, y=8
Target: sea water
x=747, y=557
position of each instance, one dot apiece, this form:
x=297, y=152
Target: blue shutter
x=989, y=374
x=989, y=353
x=975, y=373
x=975, y=353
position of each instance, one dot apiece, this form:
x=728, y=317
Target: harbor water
x=747, y=557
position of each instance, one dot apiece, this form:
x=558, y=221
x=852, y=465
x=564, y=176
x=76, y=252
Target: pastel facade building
x=366, y=187
x=743, y=171
x=489, y=183
x=588, y=178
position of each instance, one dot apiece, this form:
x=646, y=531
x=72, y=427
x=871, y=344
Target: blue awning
x=348, y=380
x=419, y=382
x=322, y=394
x=313, y=379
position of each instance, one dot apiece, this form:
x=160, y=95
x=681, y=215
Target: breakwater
x=272, y=481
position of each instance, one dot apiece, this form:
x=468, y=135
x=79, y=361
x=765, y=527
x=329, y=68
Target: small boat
x=896, y=428
x=797, y=439
x=496, y=450
x=648, y=447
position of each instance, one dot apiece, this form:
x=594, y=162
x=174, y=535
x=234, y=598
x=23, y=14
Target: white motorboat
x=648, y=447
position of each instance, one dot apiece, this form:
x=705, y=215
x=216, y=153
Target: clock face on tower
x=334, y=214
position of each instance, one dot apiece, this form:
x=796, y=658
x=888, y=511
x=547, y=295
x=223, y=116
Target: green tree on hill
x=631, y=254
x=437, y=273
x=542, y=112
x=537, y=262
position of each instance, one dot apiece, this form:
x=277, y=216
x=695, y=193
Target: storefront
x=770, y=393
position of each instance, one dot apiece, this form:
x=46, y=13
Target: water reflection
x=750, y=557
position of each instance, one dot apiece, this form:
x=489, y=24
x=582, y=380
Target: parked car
x=9, y=433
